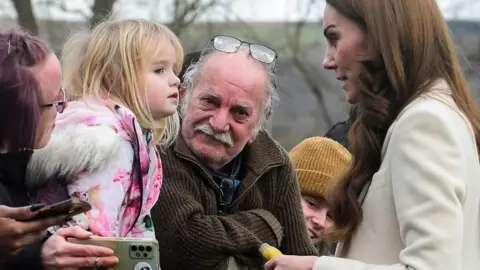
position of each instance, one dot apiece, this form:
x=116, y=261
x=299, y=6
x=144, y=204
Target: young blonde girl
x=121, y=79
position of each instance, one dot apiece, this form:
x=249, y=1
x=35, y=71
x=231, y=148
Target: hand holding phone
x=57, y=253
x=132, y=253
x=19, y=230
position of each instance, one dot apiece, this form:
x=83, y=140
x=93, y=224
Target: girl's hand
x=57, y=253
x=287, y=262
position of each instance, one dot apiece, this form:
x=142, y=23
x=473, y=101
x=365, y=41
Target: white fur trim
x=71, y=150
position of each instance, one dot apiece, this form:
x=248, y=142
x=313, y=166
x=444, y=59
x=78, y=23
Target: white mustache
x=223, y=137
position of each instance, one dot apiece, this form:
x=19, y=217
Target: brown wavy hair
x=413, y=48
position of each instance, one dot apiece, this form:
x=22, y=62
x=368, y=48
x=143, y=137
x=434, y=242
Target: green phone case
x=132, y=253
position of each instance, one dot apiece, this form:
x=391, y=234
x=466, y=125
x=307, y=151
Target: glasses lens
x=61, y=105
x=226, y=44
x=262, y=53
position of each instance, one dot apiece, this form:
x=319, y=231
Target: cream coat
x=422, y=209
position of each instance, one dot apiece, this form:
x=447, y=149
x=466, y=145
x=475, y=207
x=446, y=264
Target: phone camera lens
x=133, y=248
x=149, y=248
x=138, y=254
x=141, y=248
x=145, y=255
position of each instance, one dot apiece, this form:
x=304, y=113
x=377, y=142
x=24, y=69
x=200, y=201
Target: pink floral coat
x=103, y=156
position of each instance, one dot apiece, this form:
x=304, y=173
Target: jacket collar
x=260, y=155
x=13, y=166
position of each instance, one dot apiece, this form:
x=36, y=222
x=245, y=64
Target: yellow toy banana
x=269, y=252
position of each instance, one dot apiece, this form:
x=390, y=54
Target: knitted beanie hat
x=318, y=162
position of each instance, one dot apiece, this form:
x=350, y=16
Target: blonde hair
x=110, y=61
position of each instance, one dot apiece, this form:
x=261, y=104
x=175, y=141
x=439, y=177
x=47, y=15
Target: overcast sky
x=247, y=10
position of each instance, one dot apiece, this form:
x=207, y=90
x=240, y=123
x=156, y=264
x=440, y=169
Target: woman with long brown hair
x=411, y=199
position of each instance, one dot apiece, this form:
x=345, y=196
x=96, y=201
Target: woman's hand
x=57, y=253
x=18, y=230
x=286, y=262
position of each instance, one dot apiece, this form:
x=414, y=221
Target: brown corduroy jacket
x=266, y=208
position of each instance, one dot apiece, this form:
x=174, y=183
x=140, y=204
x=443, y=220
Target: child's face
x=161, y=82
x=316, y=217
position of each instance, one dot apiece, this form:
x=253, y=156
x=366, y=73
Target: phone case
x=70, y=207
x=132, y=253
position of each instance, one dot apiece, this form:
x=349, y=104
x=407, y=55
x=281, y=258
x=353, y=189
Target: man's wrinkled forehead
x=235, y=68
x=243, y=55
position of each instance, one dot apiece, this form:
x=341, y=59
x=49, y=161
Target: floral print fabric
x=124, y=191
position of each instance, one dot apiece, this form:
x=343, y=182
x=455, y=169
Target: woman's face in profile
x=49, y=76
x=346, y=49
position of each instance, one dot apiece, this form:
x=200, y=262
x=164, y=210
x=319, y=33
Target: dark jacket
x=13, y=194
x=338, y=133
x=265, y=208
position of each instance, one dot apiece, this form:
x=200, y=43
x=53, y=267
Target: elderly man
x=229, y=187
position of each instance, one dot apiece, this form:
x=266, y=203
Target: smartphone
x=132, y=253
x=70, y=208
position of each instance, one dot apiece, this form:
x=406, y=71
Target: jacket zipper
x=205, y=173
x=139, y=173
x=218, y=187
x=254, y=182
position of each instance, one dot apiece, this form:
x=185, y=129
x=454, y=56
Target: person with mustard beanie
x=318, y=162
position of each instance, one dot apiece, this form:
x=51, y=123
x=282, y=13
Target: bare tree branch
x=62, y=6
x=315, y=89
x=25, y=16
x=248, y=28
x=176, y=10
x=294, y=45
x=100, y=9
x=187, y=12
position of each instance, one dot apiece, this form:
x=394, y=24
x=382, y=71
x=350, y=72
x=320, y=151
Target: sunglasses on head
x=259, y=52
x=59, y=105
